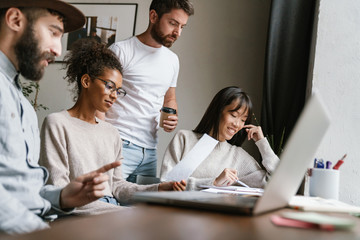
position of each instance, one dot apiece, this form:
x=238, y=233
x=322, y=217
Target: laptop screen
x=298, y=154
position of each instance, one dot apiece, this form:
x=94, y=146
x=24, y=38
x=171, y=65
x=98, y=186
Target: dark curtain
x=286, y=67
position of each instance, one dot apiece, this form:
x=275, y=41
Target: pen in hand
x=241, y=183
x=338, y=164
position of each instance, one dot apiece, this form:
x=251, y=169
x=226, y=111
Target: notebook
x=297, y=156
x=318, y=204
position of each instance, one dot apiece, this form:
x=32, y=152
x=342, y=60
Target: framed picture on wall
x=105, y=22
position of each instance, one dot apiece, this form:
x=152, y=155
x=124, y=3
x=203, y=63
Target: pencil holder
x=324, y=183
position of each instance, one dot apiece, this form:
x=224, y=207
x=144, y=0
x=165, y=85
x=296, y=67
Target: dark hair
x=211, y=119
x=87, y=56
x=165, y=6
x=33, y=13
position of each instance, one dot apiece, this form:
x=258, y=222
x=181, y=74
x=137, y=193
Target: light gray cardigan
x=223, y=156
x=71, y=147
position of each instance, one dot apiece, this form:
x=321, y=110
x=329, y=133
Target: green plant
x=27, y=89
x=271, y=140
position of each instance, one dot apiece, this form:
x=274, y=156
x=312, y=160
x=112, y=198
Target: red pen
x=338, y=164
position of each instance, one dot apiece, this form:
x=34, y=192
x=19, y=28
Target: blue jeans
x=109, y=199
x=138, y=161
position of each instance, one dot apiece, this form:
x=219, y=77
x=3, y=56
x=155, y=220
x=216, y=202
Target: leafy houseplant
x=27, y=89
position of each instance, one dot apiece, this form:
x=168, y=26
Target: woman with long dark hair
x=227, y=119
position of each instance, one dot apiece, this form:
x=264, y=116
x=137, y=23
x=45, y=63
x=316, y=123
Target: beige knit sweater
x=223, y=156
x=71, y=147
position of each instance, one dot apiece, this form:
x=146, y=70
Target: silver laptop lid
x=298, y=153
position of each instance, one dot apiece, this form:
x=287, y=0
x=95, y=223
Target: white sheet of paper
x=192, y=159
x=234, y=188
x=237, y=192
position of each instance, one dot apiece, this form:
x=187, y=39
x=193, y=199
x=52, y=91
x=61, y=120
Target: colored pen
x=315, y=162
x=320, y=163
x=241, y=183
x=340, y=162
x=328, y=164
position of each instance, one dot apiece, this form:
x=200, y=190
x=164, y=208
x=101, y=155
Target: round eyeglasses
x=110, y=87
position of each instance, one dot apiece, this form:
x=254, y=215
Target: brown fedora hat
x=74, y=18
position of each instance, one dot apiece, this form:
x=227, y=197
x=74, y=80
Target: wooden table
x=160, y=222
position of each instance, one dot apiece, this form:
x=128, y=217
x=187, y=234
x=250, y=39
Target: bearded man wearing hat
x=30, y=39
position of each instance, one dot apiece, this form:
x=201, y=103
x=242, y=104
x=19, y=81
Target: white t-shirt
x=147, y=75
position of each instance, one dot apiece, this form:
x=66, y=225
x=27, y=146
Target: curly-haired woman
x=75, y=141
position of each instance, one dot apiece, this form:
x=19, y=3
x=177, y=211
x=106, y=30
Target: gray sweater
x=223, y=156
x=71, y=147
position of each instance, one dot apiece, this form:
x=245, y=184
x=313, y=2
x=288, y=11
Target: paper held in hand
x=192, y=159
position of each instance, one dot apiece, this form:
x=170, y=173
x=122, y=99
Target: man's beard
x=29, y=55
x=161, y=38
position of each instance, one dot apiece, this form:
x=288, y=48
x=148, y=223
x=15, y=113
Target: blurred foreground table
x=161, y=222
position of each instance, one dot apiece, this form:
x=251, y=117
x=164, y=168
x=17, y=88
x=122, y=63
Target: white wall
x=223, y=45
x=336, y=76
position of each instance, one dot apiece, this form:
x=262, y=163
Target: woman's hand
x=166, y=186
x=254, y=132
x=86, y=188
x=226, y=178
x=172, y=186
x=179, y=186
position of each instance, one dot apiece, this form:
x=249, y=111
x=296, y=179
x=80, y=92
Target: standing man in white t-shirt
x=150, y=72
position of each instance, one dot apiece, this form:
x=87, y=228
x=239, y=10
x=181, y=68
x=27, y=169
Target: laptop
x=297, y=156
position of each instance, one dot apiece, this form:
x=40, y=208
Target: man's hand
x=170, y=123
x=86, y=188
